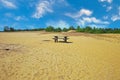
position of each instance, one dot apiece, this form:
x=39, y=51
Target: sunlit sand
x=35, y=56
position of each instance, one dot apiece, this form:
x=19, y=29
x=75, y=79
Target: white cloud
x=14, y=17
x=46, y=6
x=97, y=26
x=82, y=12
x=80, y=22
x=91, y=20
x=42, y=8
x=105, y=17
x=8, y=4
x=109, y=8
x=104, y=5
x=85, y=12
x=116, y=16
x=8, y=15
x=94, y=20
x=18, y=18
x=83, y=17
x=109, y=1
x=61, y=24
x=63, y=2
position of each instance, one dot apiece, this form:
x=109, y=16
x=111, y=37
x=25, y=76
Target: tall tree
x=50, y=28
x=58, y=29
x=12, y=29
x=65, y=29
x=71, y=28
x=78, y=29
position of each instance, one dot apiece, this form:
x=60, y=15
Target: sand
x=35, y=56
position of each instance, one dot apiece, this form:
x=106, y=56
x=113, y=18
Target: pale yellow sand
x=34, y=56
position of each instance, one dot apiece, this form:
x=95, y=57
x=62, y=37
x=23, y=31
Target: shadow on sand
x=58, y=41
x=46, y=40
x=64, y=42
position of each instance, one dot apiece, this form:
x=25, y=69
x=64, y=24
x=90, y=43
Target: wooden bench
x=59, y=38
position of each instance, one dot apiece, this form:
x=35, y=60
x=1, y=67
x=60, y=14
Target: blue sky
x=22, y=14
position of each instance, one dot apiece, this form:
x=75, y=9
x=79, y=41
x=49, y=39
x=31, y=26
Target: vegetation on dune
x=11, y=29
x=86, y=29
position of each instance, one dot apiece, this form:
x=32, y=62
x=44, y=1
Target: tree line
x=11, y=29
x=86, y=29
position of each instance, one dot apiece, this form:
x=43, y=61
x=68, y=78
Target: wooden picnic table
x=58, y=38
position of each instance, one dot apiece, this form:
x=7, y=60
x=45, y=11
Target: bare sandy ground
x=35, y=56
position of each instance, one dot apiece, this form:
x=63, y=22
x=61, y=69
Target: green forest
x=86, y=29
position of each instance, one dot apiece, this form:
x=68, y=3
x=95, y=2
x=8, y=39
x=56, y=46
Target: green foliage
x=94, y=30
x=12, y=29
x=97, y=30
x=86, y=29
x=65, y=30
x=78, y=29
x=8, y=29
x=50, y=29
x=58, y=29
x=71, y=28
x=116, y=30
